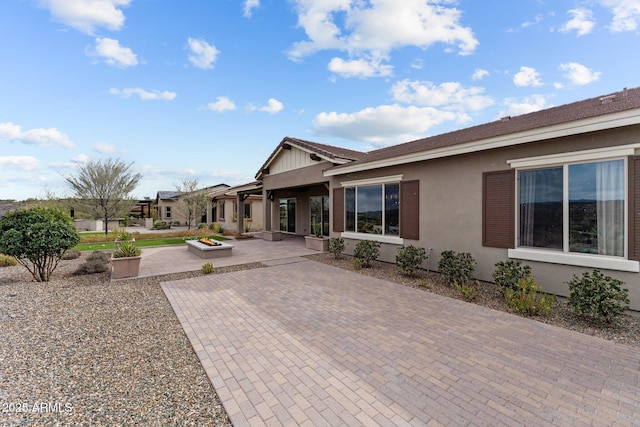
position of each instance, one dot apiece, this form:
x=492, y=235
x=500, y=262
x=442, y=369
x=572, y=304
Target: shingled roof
x=627, y=99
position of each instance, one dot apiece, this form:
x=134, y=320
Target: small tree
x=105, y=187
x=192, y=202
x=37, y=238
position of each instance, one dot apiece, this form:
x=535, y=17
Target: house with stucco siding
x=558, y=189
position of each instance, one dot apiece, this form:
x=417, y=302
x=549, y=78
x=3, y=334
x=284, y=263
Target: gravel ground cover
x=81, y=350
x=626, y=331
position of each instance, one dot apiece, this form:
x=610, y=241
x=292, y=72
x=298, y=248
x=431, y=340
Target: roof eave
x=609, y=121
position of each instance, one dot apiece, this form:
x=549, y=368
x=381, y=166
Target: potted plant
x=122, y=235
x=125, y=260
x=317, y=241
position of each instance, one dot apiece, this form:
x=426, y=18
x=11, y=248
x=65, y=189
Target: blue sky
x=205, y=89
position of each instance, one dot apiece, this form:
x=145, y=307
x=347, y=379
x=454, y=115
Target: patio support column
x=266, y=211
x=240, y=204
x=209, y=208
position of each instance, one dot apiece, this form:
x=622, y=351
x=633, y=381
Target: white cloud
x=143, y=94
x=451, y=96
x=626, y=14
x=582, y=22
x=373, y=29
x=222, y=104
x=535, y=21
x=273, y=106
x=530, y=104
x=383, y=125
x=23, y=163
x=479, y=74
x=579, y=74
x=41, y=137
x=113, y=53
x=527, y=76
x=104, y=148
x=203, y=55
x=249, y=5
x=359, y=68
x=87, y=15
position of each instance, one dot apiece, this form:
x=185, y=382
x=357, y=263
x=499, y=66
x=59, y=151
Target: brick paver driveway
x=302, y=343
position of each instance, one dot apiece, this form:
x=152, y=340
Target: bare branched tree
x=105, y=188
x=192, y=202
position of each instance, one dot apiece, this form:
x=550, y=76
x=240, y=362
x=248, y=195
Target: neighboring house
x=233, y=209
x=558, y=189
x=166, y=206
x=226, y=205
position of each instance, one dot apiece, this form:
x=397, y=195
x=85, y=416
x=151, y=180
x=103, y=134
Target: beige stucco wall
x=451, y=206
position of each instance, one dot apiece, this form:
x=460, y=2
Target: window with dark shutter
x=634, y=208
x=498, y=204
x=338, y=210
x=410, y=210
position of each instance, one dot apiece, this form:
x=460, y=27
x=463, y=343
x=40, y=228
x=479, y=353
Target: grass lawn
x=141, y=241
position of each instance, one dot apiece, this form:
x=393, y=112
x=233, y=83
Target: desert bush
x=176, y=223
x=599, y=297
x=525, y=299
x=7, y=261
x=96, y=262
x=508, y=273
x=37, y=238
x=456, y=268
x=71, y=255
x=207, y=268
x=367, y=251
x=336, y=246
x=216, y=227
x=161, y=225
x=410, y=258
x=467, y=292
x=203, y=226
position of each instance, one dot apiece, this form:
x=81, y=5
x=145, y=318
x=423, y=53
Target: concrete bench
x=209, y=252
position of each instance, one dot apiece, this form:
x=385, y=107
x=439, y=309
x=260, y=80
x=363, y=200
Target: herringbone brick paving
x=303, y=343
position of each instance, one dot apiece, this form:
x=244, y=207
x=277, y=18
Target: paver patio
x=303, y=343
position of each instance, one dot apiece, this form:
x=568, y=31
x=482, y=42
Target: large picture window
x=373, y=209
x=577, y=208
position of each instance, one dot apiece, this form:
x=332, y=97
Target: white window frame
x=564, y=256
x=391, y=179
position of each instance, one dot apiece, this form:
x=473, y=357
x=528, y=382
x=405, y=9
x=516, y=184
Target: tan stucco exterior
x=451, y=206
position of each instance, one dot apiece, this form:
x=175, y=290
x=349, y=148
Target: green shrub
x=203, y=226
x=161, y=225
x=96, y=262
x=207, y=268
x=467, y=291
x=126, y=249
x=336, y=246
x=526, y=300
x=367, y=251
x=71, y=255
x=600, y=297
x=456, y=268
x=176, y=223
x=7, y=261
x=216, y=227
x=37, y=238
x=410, y=258
x=508, y=273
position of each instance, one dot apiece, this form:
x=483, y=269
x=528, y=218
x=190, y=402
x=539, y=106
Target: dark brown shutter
x=498, y=206
x=410, y=210
x=634, y=208
x=338, y=209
